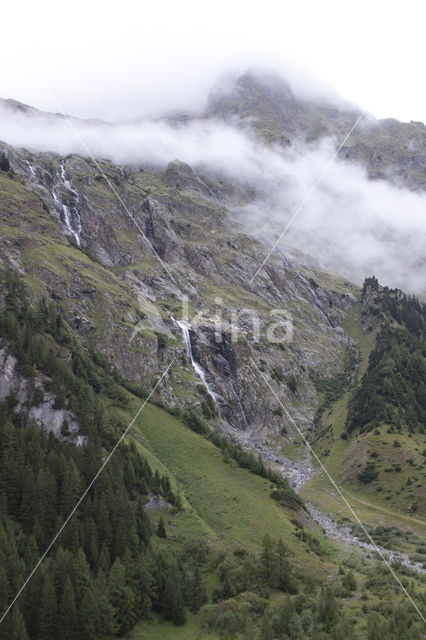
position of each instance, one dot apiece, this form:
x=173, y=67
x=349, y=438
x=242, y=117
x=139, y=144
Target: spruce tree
x=178, y=611
x=169, y=590
x=328, y=608
x=48, y=610
x=161, y=529
x=122, y=598
x=81, y=577
x=268, y=561
x=18, y=628
x=283, y=569
x=197, y=592
x=266, y=631
x=67, y=620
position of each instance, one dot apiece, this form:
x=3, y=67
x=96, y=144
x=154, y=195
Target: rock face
x=121, y=268
x=173, y=249
x=43, y=413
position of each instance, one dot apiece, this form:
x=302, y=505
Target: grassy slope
x=224, y=504
x=386, y=501
x=160, y=630
x=233, y=504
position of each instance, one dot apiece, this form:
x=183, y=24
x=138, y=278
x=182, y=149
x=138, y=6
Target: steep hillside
x=232, y=542
x=371, y=438
x=115, y=291
x=132, y=285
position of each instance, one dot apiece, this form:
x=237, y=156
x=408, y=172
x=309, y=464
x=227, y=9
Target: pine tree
x=172, y=597
x=88, y=623
x=5, y=597
x=48, y=610
x=143, y=524
x=374, y=628
x=32, y=602
x=122, y=598
x=81, y=577
x=349, y=581
x=267, y=560
x=283, y=569
x=178, y=612
x=18, y=628
x=168, y=593
x=4, y=588
x=327, y=608
x=67, y=621
x=104, y=563
x=106, y=620
x=28, y=505
x=143, y=585
x=266, y=631
x=197, y=592
x=161, y=529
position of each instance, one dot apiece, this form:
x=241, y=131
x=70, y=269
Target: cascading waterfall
x=31, y=168
x=70, y=213
x=197, y=367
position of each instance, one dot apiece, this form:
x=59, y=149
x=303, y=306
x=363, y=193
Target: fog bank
x=351, y=224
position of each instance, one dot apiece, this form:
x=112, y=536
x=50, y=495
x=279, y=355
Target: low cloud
x=350, y=224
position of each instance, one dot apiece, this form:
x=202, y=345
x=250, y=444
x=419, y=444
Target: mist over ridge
x=259, y=131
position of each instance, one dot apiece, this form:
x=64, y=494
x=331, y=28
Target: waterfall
x=70, y=213
x=197, y=367
x=31, y=168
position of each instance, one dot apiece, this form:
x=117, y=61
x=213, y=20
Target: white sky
x=120, y=59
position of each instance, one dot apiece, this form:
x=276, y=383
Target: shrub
x=292, y=383
x=368, y=474
x=37, y=397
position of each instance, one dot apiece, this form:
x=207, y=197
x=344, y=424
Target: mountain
x=388, y=149
x=101, y=263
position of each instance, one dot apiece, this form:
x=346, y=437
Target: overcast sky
x=124, y=59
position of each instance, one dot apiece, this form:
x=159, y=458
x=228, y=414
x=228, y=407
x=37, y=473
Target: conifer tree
x=122, y=598
x=283, y=569
x=67, y=620
x=81, y=576
x=268, y=561
x=48, y=610
x=161, y=529
x=327, y=608
x=178, y=611
x=197, y=591
x=266, y=631
x=18, y=628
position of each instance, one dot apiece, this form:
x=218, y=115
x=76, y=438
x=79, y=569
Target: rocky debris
x=155, y=502
x=343, y=534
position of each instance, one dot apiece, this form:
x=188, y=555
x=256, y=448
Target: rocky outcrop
x=41, y=411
